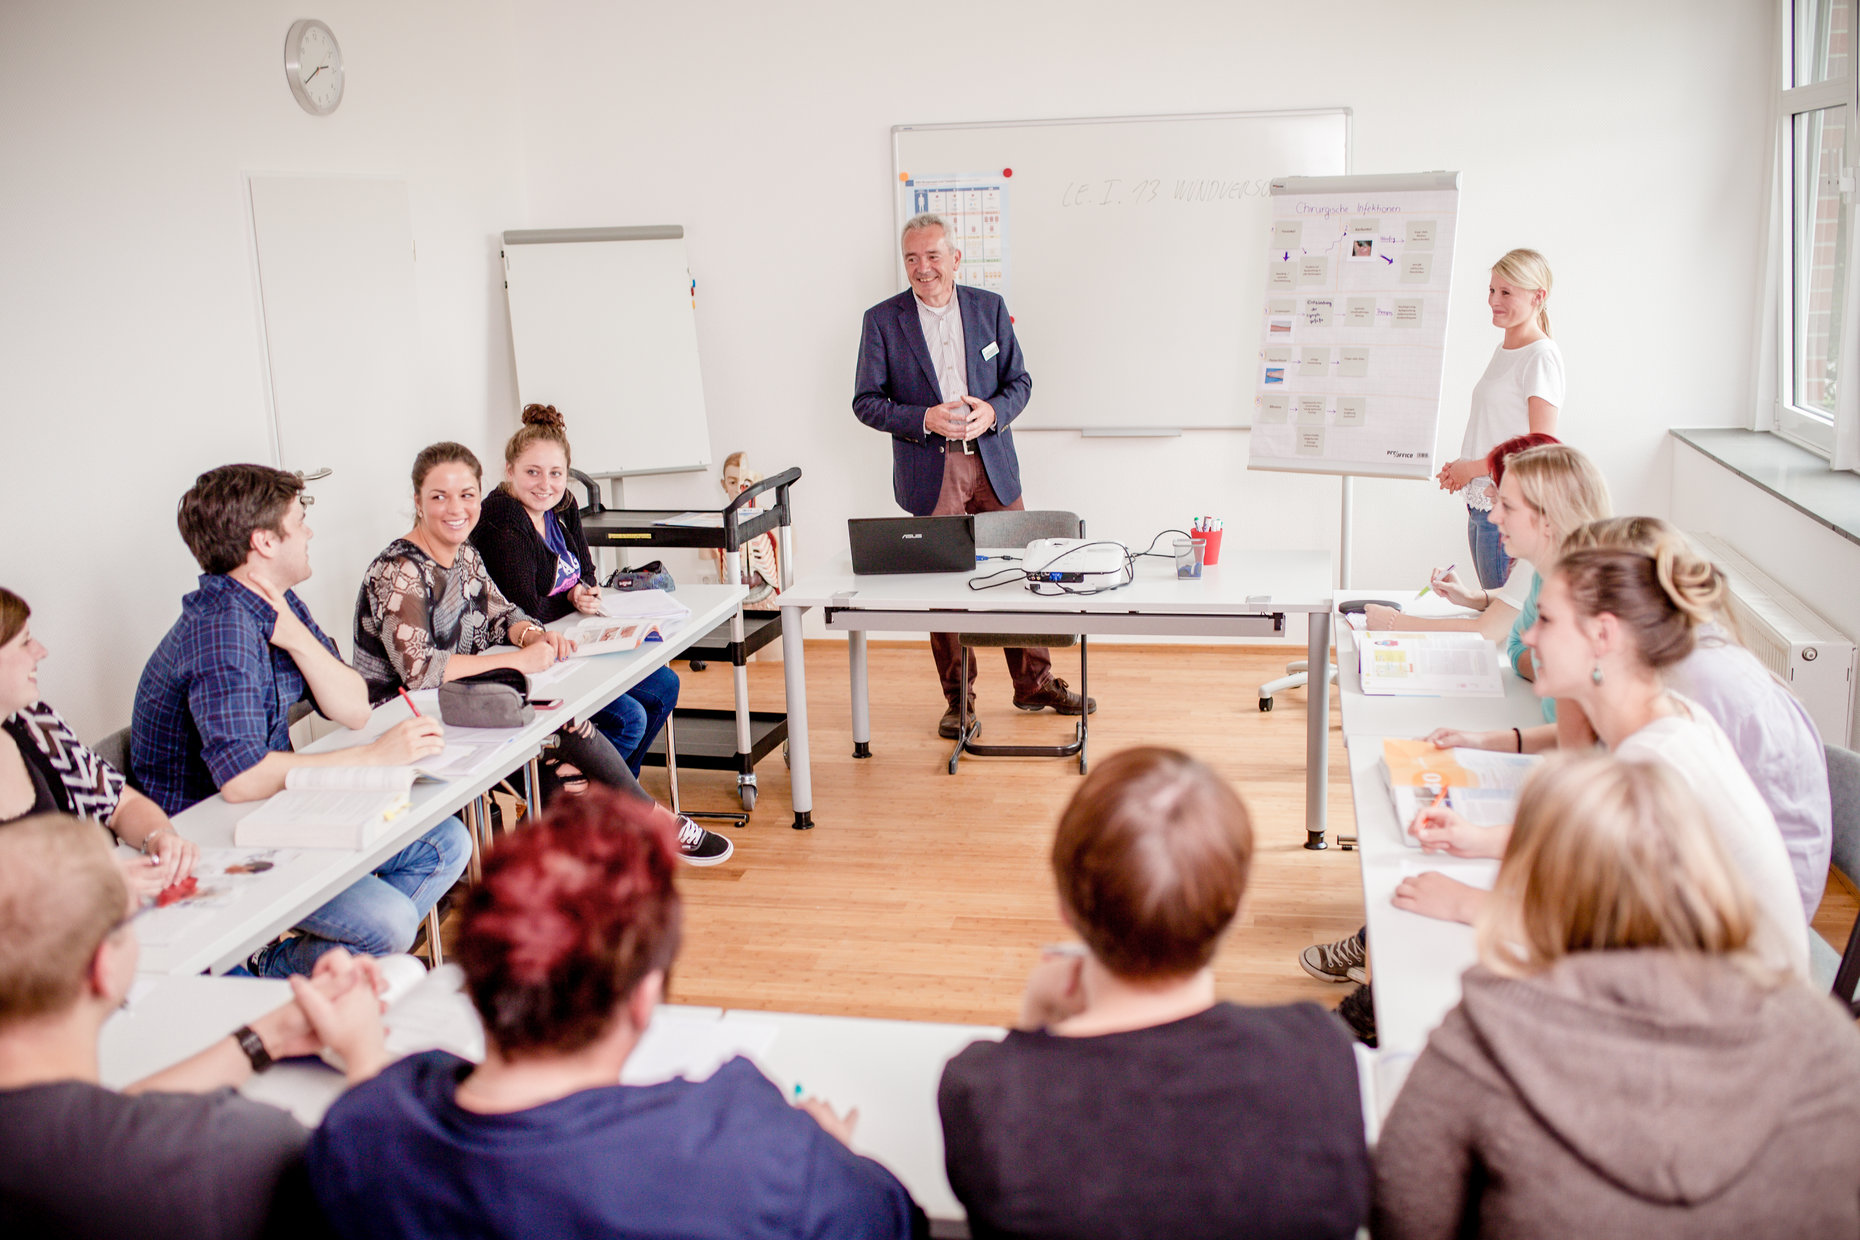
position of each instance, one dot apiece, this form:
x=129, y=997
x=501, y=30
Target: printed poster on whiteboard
x=1351, y=347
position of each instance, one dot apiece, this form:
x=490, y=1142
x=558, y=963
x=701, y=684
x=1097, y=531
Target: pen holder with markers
x=1207, y=532
x=1188, y=553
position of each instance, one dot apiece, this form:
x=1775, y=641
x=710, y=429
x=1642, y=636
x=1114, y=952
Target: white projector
x=1090, y=562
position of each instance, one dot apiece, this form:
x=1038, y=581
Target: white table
x=270, y=903
x=1249, y=594
x=1417, y=960
x=888, y=1069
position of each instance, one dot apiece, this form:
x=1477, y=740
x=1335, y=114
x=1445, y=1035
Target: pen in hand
x=1430, y=581
x=409, y=702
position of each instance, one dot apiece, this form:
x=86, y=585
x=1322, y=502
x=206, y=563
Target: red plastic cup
x=1211, y=549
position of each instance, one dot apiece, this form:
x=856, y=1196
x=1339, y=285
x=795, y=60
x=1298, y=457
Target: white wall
x=1624, y=140
x=1805, y=557
x=130, y=348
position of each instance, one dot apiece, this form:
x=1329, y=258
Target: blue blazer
x=896, y=383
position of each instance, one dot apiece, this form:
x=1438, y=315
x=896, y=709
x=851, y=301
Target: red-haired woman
x=565, y=945
x=1130, y=1102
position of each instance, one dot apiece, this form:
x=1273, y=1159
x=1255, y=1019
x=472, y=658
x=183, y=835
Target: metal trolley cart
x=715, y=740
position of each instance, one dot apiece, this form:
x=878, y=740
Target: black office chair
x=1017, y=529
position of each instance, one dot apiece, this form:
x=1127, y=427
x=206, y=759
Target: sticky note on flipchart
x=1287, y=234
x=1416, y=268
x=1317, y=311
x=1313, y=269
x=1311, y=441
x=1352, y=410
x=1313, y=362
x=1421, y=234
x=1355, y=362
x=1310, y=410
x=1273, y=407
x=1408, y=311
x=1362, y=312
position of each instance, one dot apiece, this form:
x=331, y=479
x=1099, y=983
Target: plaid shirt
x=216, y=695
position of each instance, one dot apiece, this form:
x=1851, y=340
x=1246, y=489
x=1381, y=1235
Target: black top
x=85, y=1161
x=520, y=562
x=1235, y=1122
x=47, y=792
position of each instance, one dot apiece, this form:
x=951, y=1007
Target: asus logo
x=908, y=536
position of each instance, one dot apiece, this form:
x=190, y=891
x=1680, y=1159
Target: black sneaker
x=701, y=847
x=1358, y=1012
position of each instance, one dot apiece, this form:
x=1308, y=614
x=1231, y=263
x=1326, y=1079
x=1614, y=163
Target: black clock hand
x=318, y=69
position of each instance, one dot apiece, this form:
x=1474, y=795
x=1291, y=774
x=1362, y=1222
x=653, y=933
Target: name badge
x=990, y=351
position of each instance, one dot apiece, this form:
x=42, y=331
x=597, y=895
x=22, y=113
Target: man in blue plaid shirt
x=213, y=706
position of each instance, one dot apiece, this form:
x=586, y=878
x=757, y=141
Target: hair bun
x=543, y=415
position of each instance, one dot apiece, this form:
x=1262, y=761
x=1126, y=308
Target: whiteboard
x=604, y=328
x=1353, y=335
x=1126, y=249
x=338, y=300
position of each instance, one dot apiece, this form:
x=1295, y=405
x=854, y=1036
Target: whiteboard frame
x=627, y=232
x=1133, y=432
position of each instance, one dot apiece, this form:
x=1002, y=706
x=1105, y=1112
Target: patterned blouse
x=412, y=616
x=80, y=782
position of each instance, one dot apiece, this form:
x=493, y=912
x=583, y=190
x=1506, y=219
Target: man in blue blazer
x=941, y=373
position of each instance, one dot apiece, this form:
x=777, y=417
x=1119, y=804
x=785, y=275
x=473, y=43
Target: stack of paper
x=329, y=807
x=1428, y=665
x=1481, y=786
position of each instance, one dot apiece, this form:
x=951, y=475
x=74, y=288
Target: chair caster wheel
x=1265, y=704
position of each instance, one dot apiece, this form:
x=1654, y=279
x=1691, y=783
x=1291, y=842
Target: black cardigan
x=520, y=562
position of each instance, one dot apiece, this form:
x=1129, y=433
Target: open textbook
x=329, y=807
x=628, y=618
x=1441, y=664
x=1481, y=786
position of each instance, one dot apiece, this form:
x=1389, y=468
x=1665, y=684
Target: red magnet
x=1007, y=172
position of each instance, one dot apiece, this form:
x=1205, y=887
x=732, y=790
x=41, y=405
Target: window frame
x=1803, y=425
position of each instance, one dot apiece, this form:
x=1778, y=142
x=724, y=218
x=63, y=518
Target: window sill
x=1792, y=474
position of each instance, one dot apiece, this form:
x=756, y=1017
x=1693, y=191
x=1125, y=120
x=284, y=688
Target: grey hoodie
x=1638, y=1094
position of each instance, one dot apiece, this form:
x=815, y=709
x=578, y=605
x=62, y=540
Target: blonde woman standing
x=1519, y=394
x=1620, y=1063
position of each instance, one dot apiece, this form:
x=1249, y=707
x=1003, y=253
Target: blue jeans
x=1488, y=549
x=632, y=720
x=380, y=914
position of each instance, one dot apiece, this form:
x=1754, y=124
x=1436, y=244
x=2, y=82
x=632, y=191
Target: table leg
x=794, y=677
x=861, y=695
x=1317, y=729
x=739, y=672
x=532, y=786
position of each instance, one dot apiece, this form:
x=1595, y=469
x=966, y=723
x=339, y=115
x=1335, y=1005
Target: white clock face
x=313, y=64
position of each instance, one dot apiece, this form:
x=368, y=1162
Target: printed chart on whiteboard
x=976, y=207
x=1355, y=330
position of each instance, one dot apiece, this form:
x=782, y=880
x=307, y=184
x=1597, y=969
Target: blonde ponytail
x=1530, y=271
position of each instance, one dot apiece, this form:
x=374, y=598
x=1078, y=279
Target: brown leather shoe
x=1055, y=694
x=952, y=719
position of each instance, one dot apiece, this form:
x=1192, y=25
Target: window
x=1819, y=156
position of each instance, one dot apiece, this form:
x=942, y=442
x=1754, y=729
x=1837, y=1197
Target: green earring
x=1595, y=674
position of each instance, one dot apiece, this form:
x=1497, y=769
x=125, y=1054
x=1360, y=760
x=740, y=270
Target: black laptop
x=912, y=544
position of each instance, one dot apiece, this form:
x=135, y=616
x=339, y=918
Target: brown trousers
x=966, y=490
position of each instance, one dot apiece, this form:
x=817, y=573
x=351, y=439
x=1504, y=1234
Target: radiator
x=1811, y=656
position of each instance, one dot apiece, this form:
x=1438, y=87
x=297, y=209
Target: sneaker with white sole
x=1342, y=961
x=701, y=847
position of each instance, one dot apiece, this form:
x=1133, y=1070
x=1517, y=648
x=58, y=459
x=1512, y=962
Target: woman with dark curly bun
x=565, y=945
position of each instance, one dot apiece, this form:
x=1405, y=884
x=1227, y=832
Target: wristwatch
x=254, y=1047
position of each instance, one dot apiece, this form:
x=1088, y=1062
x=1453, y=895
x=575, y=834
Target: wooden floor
x=925, y=896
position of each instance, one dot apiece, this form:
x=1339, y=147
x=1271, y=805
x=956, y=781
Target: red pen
x=410, y=705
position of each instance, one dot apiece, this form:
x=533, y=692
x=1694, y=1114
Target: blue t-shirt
x=726, y=1157
x=1514, y=644
x=216, y=695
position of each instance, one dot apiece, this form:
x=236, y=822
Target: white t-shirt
x=1777, y=743
x=1692, y=744
x=1501, y=407
x=1517, y=588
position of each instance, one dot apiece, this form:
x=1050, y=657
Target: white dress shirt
x=943, y=334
